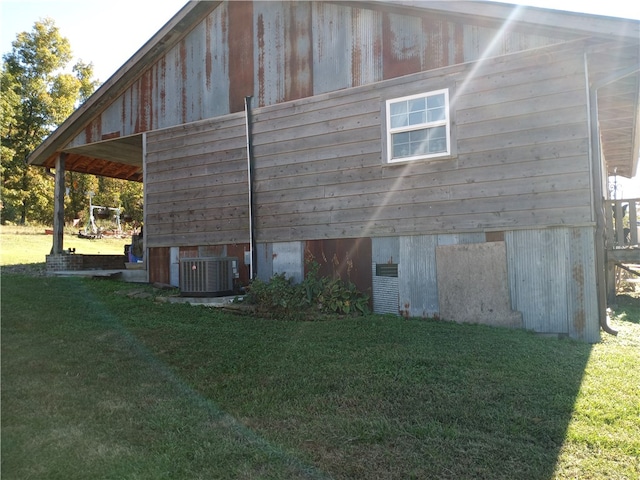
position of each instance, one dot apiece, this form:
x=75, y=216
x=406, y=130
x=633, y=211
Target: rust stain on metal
x=240, y=43
x=183, y=77
x=162, y=85
x=458, y=43
x=93, y=131
x=398, y=59
x=208, y=59
x=298, y=52
x=145, y=103
x=579, y=316
x=261, y=60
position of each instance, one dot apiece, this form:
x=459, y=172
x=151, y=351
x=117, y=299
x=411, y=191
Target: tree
x=38, y=94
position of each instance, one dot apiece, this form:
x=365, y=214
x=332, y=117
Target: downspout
x=597, y=207
x=252, y=236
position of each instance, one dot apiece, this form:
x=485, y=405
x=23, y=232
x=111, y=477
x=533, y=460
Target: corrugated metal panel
x=537, y=262
x=366, y=64
x=385, y=293
x=417, y=282
x=583, y=295
x=298, y=76
x=402, y=45
x=288, y=258
x=264, y=257
x=332, y=37
x=269, y=54
x=552, y=280
x=385, y=250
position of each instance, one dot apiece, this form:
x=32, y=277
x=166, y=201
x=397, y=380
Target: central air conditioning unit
x=207, y=276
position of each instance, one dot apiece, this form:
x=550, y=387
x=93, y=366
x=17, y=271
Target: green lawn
x=28, y=245
x=102, y=381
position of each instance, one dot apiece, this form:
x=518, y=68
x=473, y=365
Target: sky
x=107, y=34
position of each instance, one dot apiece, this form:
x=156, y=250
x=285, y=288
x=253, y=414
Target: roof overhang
x=119, y=158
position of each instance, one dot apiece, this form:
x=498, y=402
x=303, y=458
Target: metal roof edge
x=169, y=35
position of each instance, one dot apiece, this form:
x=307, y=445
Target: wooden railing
x=622, y=223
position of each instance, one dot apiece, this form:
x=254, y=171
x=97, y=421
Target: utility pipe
x=252, y=237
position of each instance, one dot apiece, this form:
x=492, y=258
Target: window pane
x=417, y=105
x=402, y=138
x=401, y=150
x=399, y=121
x=417, y=118
x=401, y=145
x=435, y=101
x=418, y=135
x=398, y=108
x=436, y=115
x=437, y=140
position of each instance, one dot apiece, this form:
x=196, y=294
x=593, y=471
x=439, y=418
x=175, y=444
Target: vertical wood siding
x=282, y=51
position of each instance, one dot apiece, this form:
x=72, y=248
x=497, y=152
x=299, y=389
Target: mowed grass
x=29, y=245
x=102, y=380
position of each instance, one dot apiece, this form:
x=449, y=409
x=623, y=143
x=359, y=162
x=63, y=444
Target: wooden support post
x=58, y=206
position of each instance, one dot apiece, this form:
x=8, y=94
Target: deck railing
x=622, y=223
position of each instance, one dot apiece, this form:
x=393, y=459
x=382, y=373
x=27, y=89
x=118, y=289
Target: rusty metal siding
x=269, y=54
x=240, y=38
x=402, y=45
x=282, y=51
x=366, y=57
x=298, y=69
x=552, y=280
x=345, y=258
x=332, y=40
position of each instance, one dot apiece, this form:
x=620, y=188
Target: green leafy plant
x=281, y=298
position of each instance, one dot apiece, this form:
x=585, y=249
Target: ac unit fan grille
x=207, y=276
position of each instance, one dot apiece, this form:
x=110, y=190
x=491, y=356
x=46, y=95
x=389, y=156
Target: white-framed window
x=418, y=126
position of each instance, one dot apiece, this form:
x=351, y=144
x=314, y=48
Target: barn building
x=449, y=158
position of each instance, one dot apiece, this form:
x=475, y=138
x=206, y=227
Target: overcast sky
x=108, y=33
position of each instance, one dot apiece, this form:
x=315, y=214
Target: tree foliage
x=38, y=91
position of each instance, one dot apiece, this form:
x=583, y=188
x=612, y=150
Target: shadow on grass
x=375, y=397
x=627, y=308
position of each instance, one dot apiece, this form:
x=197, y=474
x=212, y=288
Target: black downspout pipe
x=252, y=236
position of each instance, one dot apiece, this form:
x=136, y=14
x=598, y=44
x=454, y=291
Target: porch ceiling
x=116, y=158
x=616, y=71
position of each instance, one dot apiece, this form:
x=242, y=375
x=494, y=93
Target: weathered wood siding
x=522, y=156
x=196, y=184
x=522, y=161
